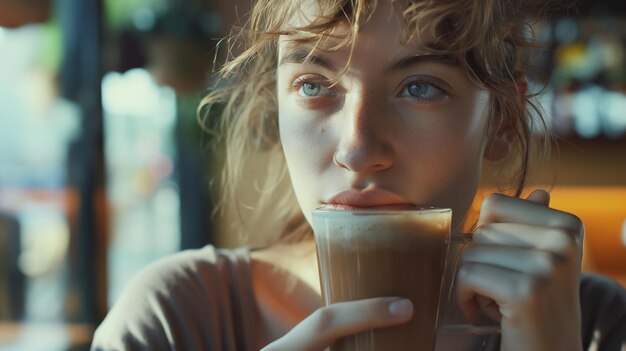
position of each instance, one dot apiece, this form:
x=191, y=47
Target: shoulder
x=178, y=275
x=600, y=292
x=603, y=308
x=595, y=283
x=167, y=300
x=183, y=268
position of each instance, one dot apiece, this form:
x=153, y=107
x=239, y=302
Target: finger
x=475, y=304
x=327, y=324
x=540, y=264
x=503, y=286
x=498, y=208
x=488, y=308
x=555, y=240
x=540, y=197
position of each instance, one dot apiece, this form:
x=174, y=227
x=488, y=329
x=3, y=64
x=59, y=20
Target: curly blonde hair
x=490, y=38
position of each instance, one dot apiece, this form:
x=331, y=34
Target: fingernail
x=401, y=308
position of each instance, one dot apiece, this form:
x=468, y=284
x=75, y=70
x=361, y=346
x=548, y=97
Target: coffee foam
x=384, y=230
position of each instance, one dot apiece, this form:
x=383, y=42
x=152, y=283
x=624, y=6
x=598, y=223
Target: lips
x=372, y=199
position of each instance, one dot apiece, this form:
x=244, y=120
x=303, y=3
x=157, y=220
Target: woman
x=390, y=102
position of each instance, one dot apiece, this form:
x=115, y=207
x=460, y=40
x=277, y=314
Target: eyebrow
x=405, y=62
x=301, y=55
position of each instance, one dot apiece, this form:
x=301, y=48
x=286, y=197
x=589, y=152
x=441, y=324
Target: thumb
x=540, y=197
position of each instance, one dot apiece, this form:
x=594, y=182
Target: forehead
x=384, y=28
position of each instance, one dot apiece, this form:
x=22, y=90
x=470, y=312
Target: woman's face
x=398, y=128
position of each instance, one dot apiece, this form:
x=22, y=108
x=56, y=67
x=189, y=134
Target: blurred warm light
x=603, y=211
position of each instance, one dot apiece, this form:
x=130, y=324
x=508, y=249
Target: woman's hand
x=327, y=324
x=524, y=272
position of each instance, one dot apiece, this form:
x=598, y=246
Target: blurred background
x=104, y=168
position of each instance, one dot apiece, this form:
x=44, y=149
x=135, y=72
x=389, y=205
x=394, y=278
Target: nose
x=366, y=143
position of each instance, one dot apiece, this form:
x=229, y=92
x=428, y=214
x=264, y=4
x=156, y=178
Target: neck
x=286, y=285
x=297, y=260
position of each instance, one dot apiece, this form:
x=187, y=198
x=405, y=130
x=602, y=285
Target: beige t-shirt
x=203, y=300
x=193, y=300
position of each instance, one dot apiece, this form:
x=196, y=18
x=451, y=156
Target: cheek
x=304, y=140
x=445, y=169
x=458, y=158
x=457, y=187
x=442, y=159
x=308, y=151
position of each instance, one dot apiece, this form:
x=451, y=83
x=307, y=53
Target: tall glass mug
x=455, y=333
x=365, y=254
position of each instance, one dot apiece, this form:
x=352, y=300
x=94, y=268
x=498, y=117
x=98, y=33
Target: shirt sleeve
x=603, y=308
x=167, y=306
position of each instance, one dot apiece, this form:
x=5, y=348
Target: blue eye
x=421, y=90
x=311, y=88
